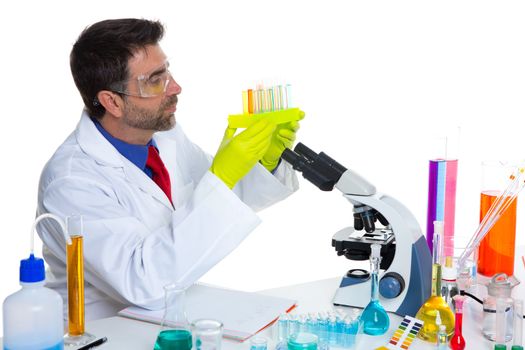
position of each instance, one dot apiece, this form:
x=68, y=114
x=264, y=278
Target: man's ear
x=112, y=102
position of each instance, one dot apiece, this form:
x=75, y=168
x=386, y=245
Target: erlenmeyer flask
x=175, y=329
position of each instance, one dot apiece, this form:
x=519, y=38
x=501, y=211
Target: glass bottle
x=442, y=338
x=175, y=329
x=374, y=317
x=458, y=342
x=435, y=311
x=499, y=291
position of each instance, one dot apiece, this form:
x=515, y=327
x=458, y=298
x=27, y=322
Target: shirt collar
x=137, y=154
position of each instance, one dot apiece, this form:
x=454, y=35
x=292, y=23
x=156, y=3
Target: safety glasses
x=151, y=84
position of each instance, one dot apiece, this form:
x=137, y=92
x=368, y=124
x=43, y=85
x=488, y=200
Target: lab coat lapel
x=93, y=143
x=146, y=184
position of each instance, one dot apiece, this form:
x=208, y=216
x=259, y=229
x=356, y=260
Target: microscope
x=406, y=260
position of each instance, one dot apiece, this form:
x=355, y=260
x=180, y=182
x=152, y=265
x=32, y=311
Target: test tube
x=501, y=324
x=282, y=328
x=280, y=97
x=293, y=325
x=322, y=326
x=332, y=329
x=245, y=108
x=75, y=283
x=250, y=101
x=288, y=96
x=313, y=324
x=518, y=325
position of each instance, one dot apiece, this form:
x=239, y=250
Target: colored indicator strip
x=404, y=334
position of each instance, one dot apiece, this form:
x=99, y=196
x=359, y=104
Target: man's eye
x=155, y=80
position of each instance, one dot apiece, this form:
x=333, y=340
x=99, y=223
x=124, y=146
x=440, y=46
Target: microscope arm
x=326, y=173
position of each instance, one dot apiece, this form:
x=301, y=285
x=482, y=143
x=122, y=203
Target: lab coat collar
x=94, y=144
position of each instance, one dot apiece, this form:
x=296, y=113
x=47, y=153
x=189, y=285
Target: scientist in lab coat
x=156, y=208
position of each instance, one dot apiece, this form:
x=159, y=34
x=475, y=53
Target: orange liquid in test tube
x=75, y=286
x=496, y=251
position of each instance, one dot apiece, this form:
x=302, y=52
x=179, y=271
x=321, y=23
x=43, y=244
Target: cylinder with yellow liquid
x=75, y=284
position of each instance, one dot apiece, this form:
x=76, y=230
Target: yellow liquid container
x=75, y=286
x=436, y=304
x=77, y=334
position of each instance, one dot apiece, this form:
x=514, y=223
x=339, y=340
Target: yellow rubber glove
x=283, y=137
x=237, y=155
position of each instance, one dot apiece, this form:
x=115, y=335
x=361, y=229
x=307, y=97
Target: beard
x=147, y=119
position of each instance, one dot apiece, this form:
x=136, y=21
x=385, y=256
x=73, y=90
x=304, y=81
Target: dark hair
x=99, y=57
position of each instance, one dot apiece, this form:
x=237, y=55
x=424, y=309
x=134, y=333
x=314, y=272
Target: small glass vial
x=499, y=291
x=258, y=343
x=442, y=338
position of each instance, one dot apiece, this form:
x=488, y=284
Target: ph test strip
x=404, y=334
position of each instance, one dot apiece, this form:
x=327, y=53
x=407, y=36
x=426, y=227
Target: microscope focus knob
x=391, y=285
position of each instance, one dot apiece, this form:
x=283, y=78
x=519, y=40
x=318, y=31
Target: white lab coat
x=134, y=240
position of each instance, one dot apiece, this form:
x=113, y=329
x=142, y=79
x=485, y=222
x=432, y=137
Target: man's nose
x=173, y=88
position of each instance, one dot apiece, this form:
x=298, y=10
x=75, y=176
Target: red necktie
x=160, y=174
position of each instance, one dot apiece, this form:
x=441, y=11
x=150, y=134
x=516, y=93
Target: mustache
x=170, y=101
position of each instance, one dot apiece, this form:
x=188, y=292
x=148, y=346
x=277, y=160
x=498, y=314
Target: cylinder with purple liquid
x=442, y=180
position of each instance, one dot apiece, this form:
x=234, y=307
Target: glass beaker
x=496, y=251
x=207, y=334
x=175, y=329
x=75, y=284
x=258, y=343
x=303, y=341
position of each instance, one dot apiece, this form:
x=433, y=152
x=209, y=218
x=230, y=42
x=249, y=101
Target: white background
x=379, y=81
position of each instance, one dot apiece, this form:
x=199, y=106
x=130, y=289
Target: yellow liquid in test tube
x=75, y=286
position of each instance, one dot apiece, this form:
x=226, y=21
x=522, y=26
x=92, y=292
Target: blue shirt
x=136, y=154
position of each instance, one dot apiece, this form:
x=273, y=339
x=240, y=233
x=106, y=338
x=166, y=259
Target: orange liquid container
x=496, y=251
x=75, y=286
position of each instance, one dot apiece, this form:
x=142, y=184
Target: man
x=156, y=208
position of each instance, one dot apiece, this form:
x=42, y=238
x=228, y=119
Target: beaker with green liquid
x=175, y=329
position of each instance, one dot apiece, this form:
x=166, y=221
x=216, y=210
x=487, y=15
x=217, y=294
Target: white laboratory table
x=123, y=333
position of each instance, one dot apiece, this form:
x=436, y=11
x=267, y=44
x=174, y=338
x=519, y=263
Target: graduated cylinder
x=75, y=286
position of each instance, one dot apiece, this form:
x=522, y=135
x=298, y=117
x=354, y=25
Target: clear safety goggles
x=151, y=84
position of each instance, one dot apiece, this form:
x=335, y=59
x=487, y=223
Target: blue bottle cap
x=32, y=270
